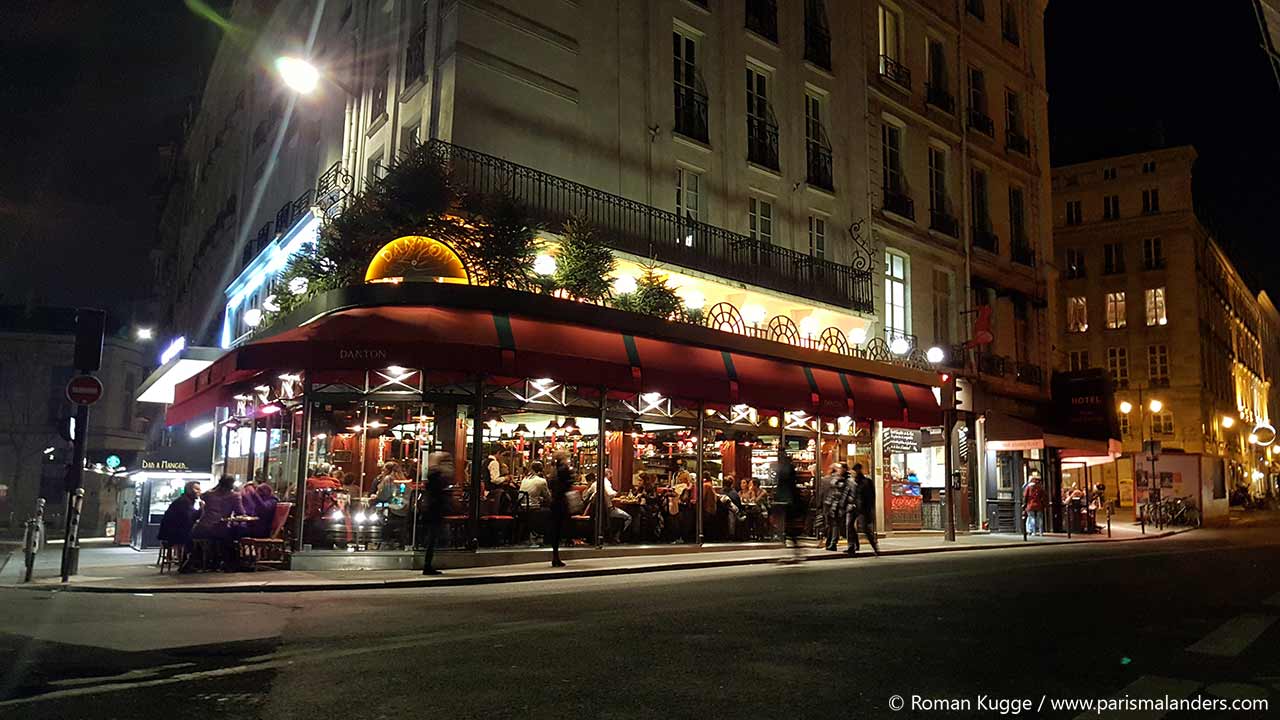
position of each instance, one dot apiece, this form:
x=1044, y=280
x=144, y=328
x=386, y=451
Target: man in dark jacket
x=435, y=503
x=838, y=506
x=865, y=499
x=561, y=483
x=180, y=517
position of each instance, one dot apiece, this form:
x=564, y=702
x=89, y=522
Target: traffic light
x=90, y=327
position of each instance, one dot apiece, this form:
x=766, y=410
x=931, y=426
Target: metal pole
x=477, y=464
x=71, y=537
x=602, y=503
x=698, y=480
x=253, y=445
x=948, y=426
x=300, y=479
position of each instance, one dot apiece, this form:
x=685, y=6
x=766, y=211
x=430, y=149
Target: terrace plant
x=584, y=266
x=652, y=296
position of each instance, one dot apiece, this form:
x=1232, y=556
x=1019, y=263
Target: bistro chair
x=269, y=550
x=170, y=557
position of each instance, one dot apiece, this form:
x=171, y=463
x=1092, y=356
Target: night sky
x=92, y=88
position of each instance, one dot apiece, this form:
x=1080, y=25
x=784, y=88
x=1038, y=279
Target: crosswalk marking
x=1147, y=686
x=1233, y=636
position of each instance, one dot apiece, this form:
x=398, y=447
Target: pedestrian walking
x=435, y=504
x=865, y=502
x=561, y=483
x=838, y=505
x=1033, y=501
x=787, y=496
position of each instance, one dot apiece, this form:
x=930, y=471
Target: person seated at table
x=612, y=513
x=180, y=518
x=249, y=498
x=267, y=502
x=535, y=486
x=499, y=483
x=221, y=503
x=751, y=493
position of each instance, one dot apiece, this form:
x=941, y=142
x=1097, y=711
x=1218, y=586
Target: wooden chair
x=171, y=557
x=269, y=550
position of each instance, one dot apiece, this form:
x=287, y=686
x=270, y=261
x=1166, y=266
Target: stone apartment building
x=1148, y=294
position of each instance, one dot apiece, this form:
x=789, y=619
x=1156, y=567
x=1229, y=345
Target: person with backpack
x=1033, y=502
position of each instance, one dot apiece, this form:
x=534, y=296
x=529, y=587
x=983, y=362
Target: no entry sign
x=84, y=390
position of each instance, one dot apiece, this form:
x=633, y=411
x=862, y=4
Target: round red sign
x=84, y=389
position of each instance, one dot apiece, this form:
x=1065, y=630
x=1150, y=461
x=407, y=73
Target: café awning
x=606, y=354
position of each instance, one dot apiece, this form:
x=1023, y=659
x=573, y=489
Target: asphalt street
x=968, y=634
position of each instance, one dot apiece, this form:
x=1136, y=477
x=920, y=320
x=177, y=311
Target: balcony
x=898, y=202
x=628, y=226
x=255, y=246
x=1021, y=252
x=981, y=122
x=944, y=222
x=937, y=96
x=817, y=44
x=986, y=240
x=895, y=72
x=1017, y=142
x=818, y=157
x=691, y=114
x=415, y=55
x=762, y=18
x=331, y=189
x=762, y=142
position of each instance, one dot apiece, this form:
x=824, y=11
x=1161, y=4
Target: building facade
x=794, y=129
x=1150, y=296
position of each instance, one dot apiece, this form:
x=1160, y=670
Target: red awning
x=455, y=340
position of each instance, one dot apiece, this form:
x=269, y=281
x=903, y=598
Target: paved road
x=1192, y=616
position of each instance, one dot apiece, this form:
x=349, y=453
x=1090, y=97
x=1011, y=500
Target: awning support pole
x=477, y=464
x=950, y=485
x=603, y=504
x=697, y=480
x=304, y=446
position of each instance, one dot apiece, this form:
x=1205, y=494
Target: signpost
x=82, y=390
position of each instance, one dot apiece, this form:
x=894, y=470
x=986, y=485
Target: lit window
x=688, y=194
x=1077, y=314
x=1156, y=314
x=1115, y=310
x=890, y=26
x=895, y=295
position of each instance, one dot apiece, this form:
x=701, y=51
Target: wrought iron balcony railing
x=817, y=44
x=895, y=71
x=980, y=121
x=986, y=240
x=938, y=97
x=255, y=245
x=1017, y=142
x=332, y=188
x=898, y=202
x=762, y=18
x=762, y=142
x=819, y=165
x=944, y=222
x=629, y=226
x=691, y=113
x=415, y=55
x=284, y=218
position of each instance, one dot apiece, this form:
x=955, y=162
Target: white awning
x=158, y=387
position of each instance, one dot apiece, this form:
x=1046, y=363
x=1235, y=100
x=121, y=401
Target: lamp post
x=1154, y=405
x=303, y=77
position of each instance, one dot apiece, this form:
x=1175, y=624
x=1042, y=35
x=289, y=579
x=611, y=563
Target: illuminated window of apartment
x=1156, y=314
x=1111, y=207
x=1077, y=314
x=1075, y=263
x=1118, y=365
x=760, y=220
x=1115, y=310
x=1158, y=364
x=817, y=237
x=1162, y=423
x=1075, y=213
x=1112, y=258
x=890, y=22
x=1151, y=201
x=895, y=295
x=1078, y=360
x=1152, y=253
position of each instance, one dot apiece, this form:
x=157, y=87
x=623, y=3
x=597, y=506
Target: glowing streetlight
x=934, y=354
x=1253, y=438
x=899, y=346
x=1155, y=406
x=144, y=333
x=1126, y=407
x=1228, y=421
x=301, y=76
x=544, y=265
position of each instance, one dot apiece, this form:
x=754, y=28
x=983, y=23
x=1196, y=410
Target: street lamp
x=300, y=75
x=1155, y=406
x=144, y=333
x=1126, y=407
x=1228, y=422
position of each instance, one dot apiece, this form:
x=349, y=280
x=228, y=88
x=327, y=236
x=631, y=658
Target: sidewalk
x=122, y=570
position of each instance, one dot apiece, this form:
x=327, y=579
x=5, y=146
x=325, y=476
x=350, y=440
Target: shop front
x=156, y=484
x=672, y=432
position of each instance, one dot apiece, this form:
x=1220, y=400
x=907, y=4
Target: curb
x=446, y=581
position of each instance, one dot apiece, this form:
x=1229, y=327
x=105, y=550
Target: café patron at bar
x=340, y=403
